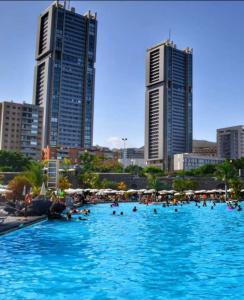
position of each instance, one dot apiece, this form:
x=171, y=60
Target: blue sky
x=215, y=31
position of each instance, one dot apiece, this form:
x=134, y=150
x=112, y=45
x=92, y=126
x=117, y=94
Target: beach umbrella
x=24, y=191
x=131, y=191
x=177, y=194
x=5, y=191
x=43, y=190
x=171, y=192
x=163, y=192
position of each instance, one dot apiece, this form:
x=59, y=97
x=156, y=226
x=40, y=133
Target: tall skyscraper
x=65, y=75
x=168, y=103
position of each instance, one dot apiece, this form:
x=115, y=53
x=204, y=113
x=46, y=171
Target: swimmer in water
x=239, y=208
x=82, y=219
x=155, y=211
x=114, y=212
x=134, y=209
x=211, y=207
x=68, y=216
x=121, y=213
x=176, y=209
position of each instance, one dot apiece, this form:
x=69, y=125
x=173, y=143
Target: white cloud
x=114, y=142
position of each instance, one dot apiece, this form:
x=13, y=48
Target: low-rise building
x=189, y=161
x=132, y=162
x=21, y=128
x=74, y=153
x=230, y=142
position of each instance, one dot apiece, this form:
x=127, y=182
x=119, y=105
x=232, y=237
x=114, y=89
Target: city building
x=205, y=148
x=230, y=142
x=132, y=157
x=64, y=76
x=189, y=161
x=132, y=162
x=21, y=128
x=132, y=153
x=61, y=152
x=168, y=103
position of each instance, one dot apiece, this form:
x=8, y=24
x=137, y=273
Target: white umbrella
x=43, y=191
x=132, y=191
x=69, y=191
x=171, y=192
x=178, y=194
x=24, y=191
x=163, y=192
x=5, y=191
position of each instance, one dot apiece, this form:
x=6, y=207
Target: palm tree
x=35, y=176
x=226, y=172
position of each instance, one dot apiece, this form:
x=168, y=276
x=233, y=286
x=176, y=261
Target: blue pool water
x=190, y=254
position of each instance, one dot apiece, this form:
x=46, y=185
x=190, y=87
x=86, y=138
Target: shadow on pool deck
x=12, y=223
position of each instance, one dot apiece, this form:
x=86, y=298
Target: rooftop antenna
x=170, y=34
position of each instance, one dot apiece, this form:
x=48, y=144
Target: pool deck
x=12, y=223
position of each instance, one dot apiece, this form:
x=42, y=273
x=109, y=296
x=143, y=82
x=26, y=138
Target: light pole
x=124, y=153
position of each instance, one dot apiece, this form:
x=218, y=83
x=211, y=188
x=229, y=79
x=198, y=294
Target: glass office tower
x=168, y=104
x=65, y=75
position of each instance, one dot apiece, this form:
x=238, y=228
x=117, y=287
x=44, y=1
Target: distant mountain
x=203, y=144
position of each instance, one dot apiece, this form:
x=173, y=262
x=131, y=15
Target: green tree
x=226, y=172
x=236, y=184
x=135, y=170
x=90, y=180
x=63, y=183
x=108, y=184
x=13, y=161
x=35, y=176
x=181, y=184
x=87, y=161
x=153, y=171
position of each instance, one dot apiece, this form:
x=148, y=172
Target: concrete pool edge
x=20, y=224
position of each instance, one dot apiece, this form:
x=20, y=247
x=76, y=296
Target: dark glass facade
x=69, y=77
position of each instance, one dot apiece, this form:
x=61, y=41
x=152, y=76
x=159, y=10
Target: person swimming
x=68, y=216
x=82, y=219
x=134, y=209
x=155, y=211
x=212, y=207
x=121, y=213
x=176, y=209
x=114, y=212
x=239, y=208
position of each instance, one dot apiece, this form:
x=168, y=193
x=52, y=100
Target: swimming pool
x=190, y=254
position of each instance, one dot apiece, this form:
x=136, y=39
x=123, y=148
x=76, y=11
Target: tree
x=226, y=172
x=236, y=184
x=16, y=185
x=90, y=180
x=108, y=184
x=153, y=173
x=135, y=170
x=104, y=165
x=63, y=183
x=13, y=161
x=122, y=186
x=35, y=176
x=181, y=184
x=87, y=162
